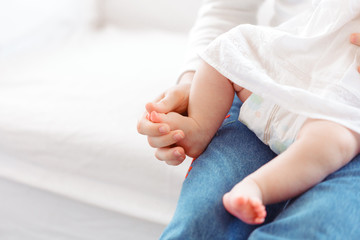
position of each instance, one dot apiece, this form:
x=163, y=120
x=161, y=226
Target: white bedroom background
x=74, y=78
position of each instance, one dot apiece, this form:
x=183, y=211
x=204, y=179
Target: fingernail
x=163, y=129
x=178, y=137
x=153, y=115
x=177, y=154
x=353, y=38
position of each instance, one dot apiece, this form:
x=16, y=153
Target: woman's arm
x=215, y=17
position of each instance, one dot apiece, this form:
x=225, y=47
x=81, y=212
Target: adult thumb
x=167, y=104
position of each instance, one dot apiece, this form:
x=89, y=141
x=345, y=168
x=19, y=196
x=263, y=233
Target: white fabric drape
x=306, y=65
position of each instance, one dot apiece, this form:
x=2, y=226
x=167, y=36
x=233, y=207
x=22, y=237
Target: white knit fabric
x=306, y=65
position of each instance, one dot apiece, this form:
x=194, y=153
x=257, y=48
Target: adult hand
x=355, y=39
x=160, y=135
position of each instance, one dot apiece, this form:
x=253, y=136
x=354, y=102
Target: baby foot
x=244, y=202
x=196, y=139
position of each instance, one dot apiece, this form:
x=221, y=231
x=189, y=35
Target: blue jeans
x=330, y=210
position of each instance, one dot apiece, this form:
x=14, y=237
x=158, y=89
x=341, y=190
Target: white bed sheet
x=46, y=216
x=68, y=120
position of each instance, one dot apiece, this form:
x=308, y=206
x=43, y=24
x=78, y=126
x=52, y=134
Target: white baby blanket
x=306, y=65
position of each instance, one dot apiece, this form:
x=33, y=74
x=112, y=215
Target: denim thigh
x=330, y=210
x=233, y=153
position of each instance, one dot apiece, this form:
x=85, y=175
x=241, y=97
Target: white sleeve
x=214, y=18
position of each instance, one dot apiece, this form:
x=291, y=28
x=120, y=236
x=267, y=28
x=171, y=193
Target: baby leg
x=321, y=148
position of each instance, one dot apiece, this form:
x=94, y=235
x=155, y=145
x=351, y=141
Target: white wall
x=174, y=15
x=28, y=24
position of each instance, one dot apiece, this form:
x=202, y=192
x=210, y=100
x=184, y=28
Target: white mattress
x=68, y=120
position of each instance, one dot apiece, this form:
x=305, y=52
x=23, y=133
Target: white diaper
x=272, y=124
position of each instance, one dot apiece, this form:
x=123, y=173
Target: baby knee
x=333, y=137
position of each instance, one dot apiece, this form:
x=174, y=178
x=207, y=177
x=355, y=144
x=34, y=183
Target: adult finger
x=174, y=100
x=166, y=140
x=355, y=38
x=172, y=156
x=172, y=119
x=169, y=103
x=146, y=127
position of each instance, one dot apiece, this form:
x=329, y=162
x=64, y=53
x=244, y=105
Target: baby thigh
x=330, y=210
x=241, y=92
x=331, y=144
